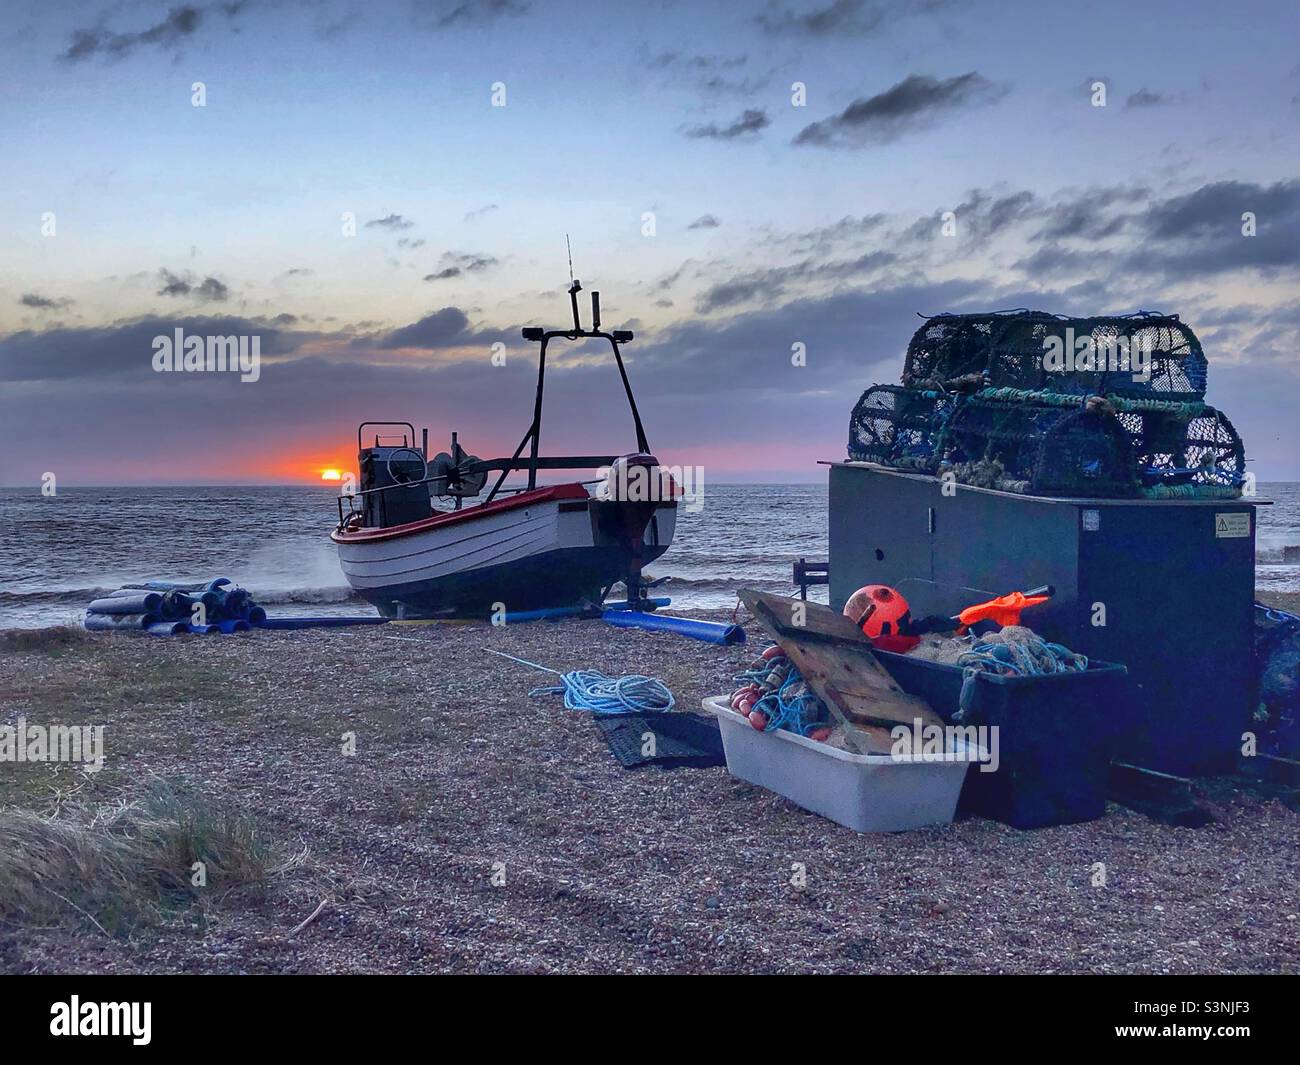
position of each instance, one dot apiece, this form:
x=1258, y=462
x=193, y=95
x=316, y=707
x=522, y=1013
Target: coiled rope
x=589, y=689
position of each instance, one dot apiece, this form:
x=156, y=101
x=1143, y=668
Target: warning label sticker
x=1232, y=524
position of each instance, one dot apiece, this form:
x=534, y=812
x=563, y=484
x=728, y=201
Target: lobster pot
x=1142, y=356
x=1185, y=450
x=1041, y=449
x=898, y=426
x=954, y=345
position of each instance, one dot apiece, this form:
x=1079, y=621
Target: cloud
x=42, y=303
x=842, y=17
x=771, y=284
x=710, y=73
x=705, y=221
x=122, y=348
x=1200, y=233
x=746, y=126
x=480, y=12
x=457, y=264
x=438, y=330
x=209, y=289
x=179, y=24
x=914, y=103
x=1094, y=214
x=391, y=222
x=479, y=212
x=1146, y=98
x=412, y=244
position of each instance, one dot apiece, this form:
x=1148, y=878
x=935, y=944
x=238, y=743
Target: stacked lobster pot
x=1026, y=401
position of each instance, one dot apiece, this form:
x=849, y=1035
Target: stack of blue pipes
x=166, y=608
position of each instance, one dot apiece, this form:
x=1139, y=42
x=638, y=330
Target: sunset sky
x=128, y=212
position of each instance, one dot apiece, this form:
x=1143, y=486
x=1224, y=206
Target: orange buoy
x=877, y=609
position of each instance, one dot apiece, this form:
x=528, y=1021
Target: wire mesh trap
x=1041, y=449
x=1141, y=355
x=1186, y=450
x=897, y=426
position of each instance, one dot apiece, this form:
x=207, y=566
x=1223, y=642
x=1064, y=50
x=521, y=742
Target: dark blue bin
x=1056, y=737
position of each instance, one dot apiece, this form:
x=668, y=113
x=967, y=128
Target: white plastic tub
x=865, y=792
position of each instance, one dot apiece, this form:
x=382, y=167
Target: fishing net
x=1039, y=448
x=1141, y=355
x=897, y=426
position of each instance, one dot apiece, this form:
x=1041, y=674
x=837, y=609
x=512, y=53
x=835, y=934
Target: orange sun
x=331, y=475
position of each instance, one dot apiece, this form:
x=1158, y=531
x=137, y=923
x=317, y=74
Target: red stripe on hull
x=523, y=499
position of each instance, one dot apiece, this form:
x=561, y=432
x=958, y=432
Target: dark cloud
x=1093, y=215
x=479, y=212
x=209, y=289
x=770, y=285
x=705, y=221
x=391, y=222
x=43, y=303
x=122, y=348
x=843, y=17
x=442, y=329
x=457, y=264
x=914, y=103
x=746, y=126
x=409, y=243
x=1200, y=233
x=479, y=12
x=981, y=215
x=1146, y=98
x=711, y=74
x=179, y=24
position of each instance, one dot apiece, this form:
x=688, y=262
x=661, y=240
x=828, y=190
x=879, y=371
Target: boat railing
x=558, y=462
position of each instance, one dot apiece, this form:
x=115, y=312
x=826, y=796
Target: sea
x=58, y=553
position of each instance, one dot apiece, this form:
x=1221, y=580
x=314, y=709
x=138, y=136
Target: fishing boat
x=528, y=548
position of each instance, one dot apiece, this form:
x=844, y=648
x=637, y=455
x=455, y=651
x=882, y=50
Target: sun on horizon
x=331, y=475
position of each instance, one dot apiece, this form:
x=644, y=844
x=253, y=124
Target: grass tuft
x=56, y=638
x=130, y=862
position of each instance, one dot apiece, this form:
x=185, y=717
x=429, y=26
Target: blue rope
x=1279, y=615
x=589, y=689
x=791, y=714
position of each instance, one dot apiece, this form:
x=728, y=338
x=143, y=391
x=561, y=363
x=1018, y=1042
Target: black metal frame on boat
x=532, y=438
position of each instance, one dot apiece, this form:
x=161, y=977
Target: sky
x=381, y=192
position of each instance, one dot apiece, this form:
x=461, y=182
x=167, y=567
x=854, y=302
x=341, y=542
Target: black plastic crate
x=1056, y=736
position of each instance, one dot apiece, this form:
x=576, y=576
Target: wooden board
x=835, y=658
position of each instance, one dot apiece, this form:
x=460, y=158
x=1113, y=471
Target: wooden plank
x=835, y=658
x=1160, y=796
x=783, y=615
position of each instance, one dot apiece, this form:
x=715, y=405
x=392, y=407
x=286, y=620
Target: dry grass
x=56, y=638
x=130, y=861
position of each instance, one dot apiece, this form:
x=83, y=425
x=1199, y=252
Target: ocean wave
x=82, y=596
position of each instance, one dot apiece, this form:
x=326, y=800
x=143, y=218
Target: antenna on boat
x=575, y=286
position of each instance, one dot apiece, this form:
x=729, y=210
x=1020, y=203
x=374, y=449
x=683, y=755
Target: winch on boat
x=515, y=549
